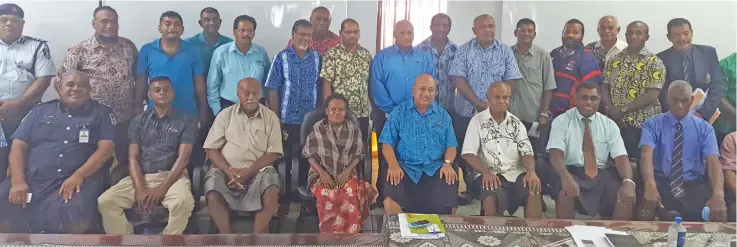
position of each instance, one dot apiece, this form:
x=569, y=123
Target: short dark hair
x=526, y=21
x=441, y=15
x=336, y=96
x=320, y=8
x=647, y=28
x=241, y=18
x=103, y=8
x=575, y=21
x=160, y=79
x=170, y=14
x=209, y=10
x=300, y=23
x=677, y=22
x=349, y=20
x=588, y=85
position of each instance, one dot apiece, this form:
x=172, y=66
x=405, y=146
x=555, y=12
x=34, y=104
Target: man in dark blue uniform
x=56, y=162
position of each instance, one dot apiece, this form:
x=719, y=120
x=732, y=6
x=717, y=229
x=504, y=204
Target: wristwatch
x=448, y=162
x=545, y=115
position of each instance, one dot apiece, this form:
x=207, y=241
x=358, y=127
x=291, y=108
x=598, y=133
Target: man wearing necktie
x=581, y=145
x=696, y=64
x=679, y=162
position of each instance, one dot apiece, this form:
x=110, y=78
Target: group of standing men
x=427, y=102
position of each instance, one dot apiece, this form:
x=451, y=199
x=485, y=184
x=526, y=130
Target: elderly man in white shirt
x=498, y=149
x=608, y=44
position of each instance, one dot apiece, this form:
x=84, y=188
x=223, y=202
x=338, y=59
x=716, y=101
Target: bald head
x=404, y=34
x=249, y=82
x=424, y=79
x=403, y=24
x=74, y=88
x=424, y=91
x=499, y=85
x=482, y=17
x=608, y=28
x=498, y=96
x=249, y=92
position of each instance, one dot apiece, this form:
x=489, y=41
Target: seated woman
x=334, y=148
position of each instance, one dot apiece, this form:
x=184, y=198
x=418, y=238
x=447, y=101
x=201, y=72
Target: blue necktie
x=686, y=64
x=676, y=168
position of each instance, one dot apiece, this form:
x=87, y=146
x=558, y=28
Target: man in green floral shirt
x=725, y=124
x=345, y=70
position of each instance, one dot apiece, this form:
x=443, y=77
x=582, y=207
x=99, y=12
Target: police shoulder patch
x=113, y=120
x=46, y=52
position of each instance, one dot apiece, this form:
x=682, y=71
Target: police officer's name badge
x=84, y=135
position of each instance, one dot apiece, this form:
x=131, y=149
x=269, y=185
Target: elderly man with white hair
x=680, y=162
x=608, y=44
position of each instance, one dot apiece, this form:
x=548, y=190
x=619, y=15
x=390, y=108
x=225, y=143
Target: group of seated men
x=59, y=194
x=588, y=171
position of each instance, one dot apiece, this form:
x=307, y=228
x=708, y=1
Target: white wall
x=713, y=21
x=61, y=29
x=64, y=23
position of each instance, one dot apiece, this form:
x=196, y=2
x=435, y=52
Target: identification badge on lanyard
x=84, y=135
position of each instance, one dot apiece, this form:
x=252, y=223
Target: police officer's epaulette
x=53, y=101
x=35, y=39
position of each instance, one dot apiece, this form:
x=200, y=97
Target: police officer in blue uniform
x=59, y=157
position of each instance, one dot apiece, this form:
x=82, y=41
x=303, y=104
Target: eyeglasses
x=12, y=20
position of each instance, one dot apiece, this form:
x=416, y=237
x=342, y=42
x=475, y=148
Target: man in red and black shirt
x=573, y=64
x=322, y=38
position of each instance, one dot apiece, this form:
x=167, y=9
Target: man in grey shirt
x=532, y=95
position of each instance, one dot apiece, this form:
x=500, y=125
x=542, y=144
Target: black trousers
x=225, y=103
x=10, y=124
x=460, y=125
x=379, y=119
x=538, y=143
x=293, y=150
x=631, y=137
x=364, y=169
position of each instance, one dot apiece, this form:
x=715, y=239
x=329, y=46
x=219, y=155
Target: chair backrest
x=313, y=117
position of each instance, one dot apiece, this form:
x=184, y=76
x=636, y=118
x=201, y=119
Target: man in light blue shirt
x=420, y=146
x=235, y=61
x=394, y=69
x=581, y=143
x=680, y=161
x=209, y=39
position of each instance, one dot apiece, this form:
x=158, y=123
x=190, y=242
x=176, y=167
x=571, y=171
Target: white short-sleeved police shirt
x=17, y=70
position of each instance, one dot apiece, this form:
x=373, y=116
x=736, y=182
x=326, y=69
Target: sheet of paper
x=699, y=96
x=534, y=130
x=595, y=234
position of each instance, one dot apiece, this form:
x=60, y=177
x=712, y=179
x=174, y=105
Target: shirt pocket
x=256, y=70
x=45, y=129
x=601, y=149
x=534, y=74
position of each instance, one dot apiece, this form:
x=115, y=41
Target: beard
x=571, y=43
